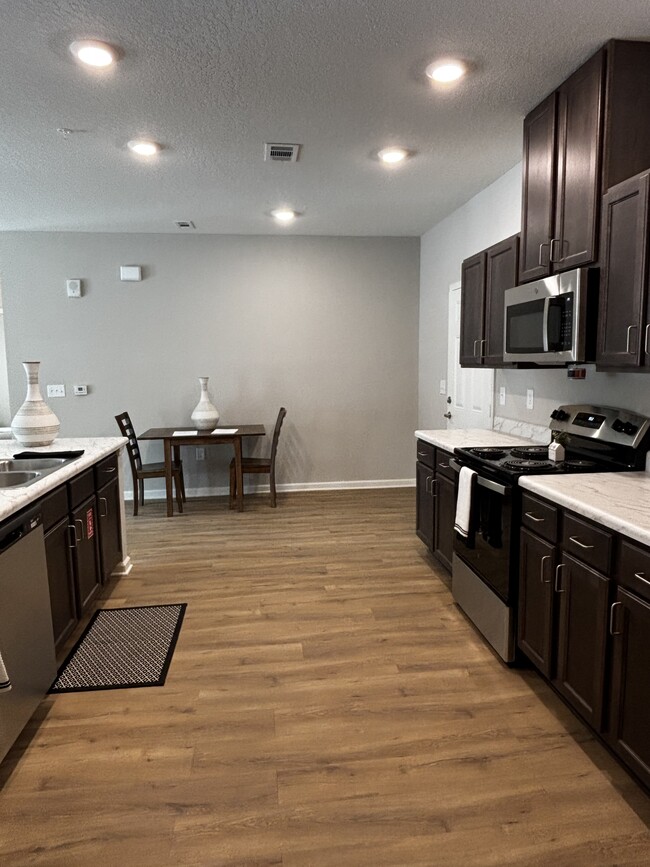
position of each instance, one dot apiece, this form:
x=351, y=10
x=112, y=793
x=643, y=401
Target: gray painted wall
x=325, y=326
x=493, y=214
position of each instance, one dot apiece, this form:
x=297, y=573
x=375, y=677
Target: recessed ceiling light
x=390, y=156
x=143, y=148
x=283, y=215
x=446, y=71
x=93, y=53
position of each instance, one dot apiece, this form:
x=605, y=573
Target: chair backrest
x=276, y=435
x=133, y=449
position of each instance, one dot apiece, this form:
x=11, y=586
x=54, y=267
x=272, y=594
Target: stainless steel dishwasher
x=26, y=638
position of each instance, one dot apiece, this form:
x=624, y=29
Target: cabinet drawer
x=633, y=569
x=588, y=543
x=426, y=453
x=106, y=470
x=54, y=507
x=81, y=487
x=442, y=467
x=540, y=517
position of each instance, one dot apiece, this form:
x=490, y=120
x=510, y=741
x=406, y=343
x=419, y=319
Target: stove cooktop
x=523, y=460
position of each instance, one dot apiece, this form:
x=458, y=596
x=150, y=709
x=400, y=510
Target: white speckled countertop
x=620, y=501
x=455, y=439
x=95, y=448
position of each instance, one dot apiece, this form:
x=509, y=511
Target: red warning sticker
x=90, y=523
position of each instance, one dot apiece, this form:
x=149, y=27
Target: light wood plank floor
x=327, y=705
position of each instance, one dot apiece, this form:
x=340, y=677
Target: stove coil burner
x=532, y=452
x=493, y=453
x=522, y=464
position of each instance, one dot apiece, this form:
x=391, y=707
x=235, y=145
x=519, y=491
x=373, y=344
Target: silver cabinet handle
x=480, y=348
x=533, y=518
x=551, y=257
x=72, y=534
x=423, y=454
x=612, y=631
x=79, y=521
x=105, y=502
x=579, y=543
x=433, y=482
x=627, y=340
x=558, y=568
x=426, y=484
x=110, y=470
x=541, y=568
x=640, y=576
x=539, y=260
x=647, y=336
x=475, y=342
x=444, y=466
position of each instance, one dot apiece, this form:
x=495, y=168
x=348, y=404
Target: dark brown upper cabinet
x=561, y=180
x=484, y=280
x=590, y=134
x=623, y=310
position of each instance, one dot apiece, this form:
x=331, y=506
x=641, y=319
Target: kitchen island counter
x=12, y=500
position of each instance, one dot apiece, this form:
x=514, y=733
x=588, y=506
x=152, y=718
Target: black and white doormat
x=123, y=648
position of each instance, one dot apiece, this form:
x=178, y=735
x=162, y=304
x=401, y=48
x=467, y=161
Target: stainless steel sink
x=16, y=479
x=20, y=473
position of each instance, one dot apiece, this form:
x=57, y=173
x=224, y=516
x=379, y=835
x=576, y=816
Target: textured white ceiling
x=212, y=80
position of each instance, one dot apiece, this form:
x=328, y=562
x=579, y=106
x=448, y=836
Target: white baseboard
x=223, y=491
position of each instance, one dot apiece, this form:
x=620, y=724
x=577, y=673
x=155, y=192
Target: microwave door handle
x=547, y=305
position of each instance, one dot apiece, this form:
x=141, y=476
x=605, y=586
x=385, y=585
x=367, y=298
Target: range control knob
x=618, y=425
x=559, y=415
x=630, y=429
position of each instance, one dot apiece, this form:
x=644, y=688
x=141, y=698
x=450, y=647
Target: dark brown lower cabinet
x=110, y=529
x=424, y=506
x=85, y=553
x=60, y=575
x=629, y=728
x=537, y=561
x=445, y=515
x=582, y=632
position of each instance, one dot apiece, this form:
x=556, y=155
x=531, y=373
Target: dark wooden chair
x=141, y=471
x=259, y=465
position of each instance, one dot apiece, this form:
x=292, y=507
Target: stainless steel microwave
x=551, y=321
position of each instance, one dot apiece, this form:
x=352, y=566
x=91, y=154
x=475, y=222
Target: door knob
x=447, y=415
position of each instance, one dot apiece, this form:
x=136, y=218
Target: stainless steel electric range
x=485, y=569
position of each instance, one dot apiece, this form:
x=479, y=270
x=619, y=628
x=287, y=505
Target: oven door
x=488, y=549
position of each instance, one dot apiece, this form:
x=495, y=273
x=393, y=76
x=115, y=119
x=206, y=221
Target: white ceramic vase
x=205, y=415
x=34, y=424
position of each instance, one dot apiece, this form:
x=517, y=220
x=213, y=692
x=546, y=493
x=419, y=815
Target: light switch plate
x=56, y=391
x=443, y=386
x=130, y=273
x=529, y=398
x=502, y=396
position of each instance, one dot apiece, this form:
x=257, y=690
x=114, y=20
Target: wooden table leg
x=168, y=477
x=239, y=475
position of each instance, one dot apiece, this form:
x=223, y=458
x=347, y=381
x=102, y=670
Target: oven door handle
x=484, y=483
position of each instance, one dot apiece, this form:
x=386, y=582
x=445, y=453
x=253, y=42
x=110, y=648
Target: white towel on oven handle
x=5, y=683
x=464, y=501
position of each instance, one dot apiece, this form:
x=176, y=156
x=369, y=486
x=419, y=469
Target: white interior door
x=470, y=390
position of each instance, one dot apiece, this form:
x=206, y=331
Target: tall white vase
x=34, y=424
x=205, y=415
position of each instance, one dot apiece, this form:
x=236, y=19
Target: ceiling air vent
x=185, y=224
x=281, y=153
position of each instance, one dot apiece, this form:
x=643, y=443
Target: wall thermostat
x=130, y=272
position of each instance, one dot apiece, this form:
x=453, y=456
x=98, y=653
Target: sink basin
x=17, y=479
x=37, y=464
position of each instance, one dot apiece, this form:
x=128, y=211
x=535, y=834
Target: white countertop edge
x=617, y=501
x=451, y=439
x=12, y=500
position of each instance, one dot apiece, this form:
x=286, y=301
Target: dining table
x=174, y=438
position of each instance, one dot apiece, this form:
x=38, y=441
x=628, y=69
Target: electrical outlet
x=56, y=391
x=200, y=454
x=529, y=398
x=81, y=389
x=502, y=396
x=443, y=386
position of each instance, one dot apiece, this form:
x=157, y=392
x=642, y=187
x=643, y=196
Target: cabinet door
x=424, y=511
x=630, y=708
x=538, y=198
x=582, y=636
x=622, y=329
x=535, y=621
x=501, y=273
x=472, y=310
x=445, y=515
x=86, y=553
x=58, y=554
x=577, y=199
x=110, y=536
